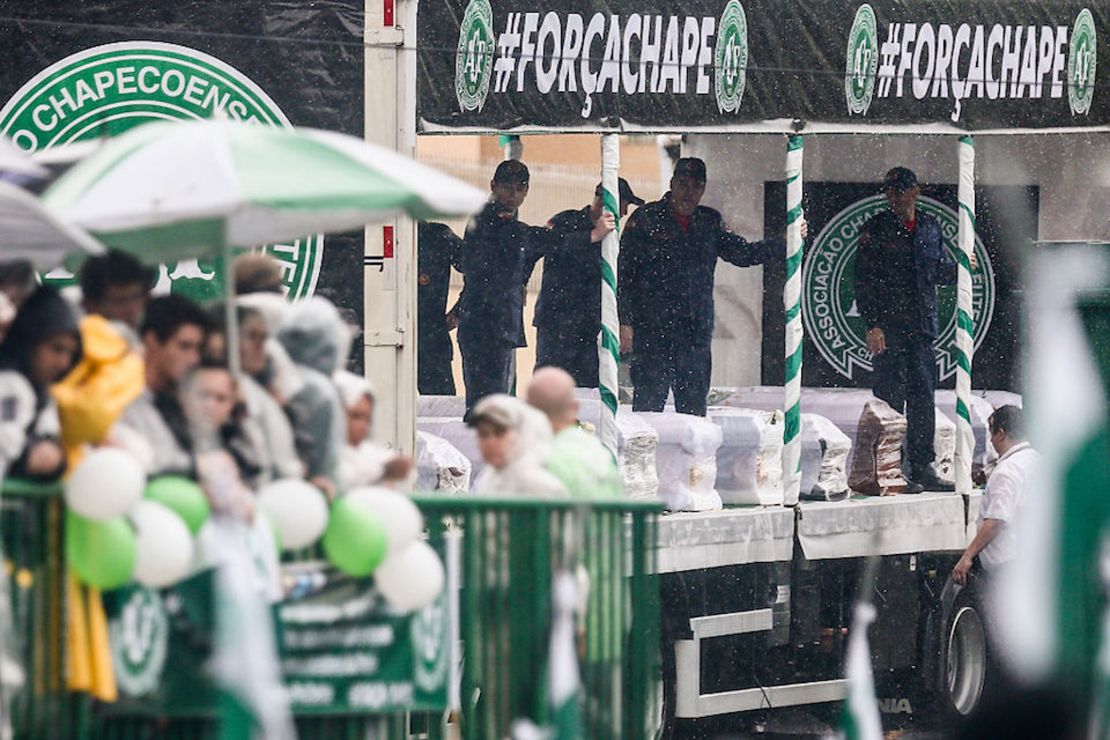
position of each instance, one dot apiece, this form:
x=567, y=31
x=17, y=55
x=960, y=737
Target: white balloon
x=298, y=511
x=396, y=511
x=411, y=579
x=163, y=545
x=107, y=484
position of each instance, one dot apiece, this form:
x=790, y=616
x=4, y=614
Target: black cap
x=900, y=178
x=512, y=170
x=627, y=196
x=691, y=167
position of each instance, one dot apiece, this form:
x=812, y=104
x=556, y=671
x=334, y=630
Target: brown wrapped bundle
x=877, y=463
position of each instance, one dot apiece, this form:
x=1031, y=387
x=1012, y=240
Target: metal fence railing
x=508, y=551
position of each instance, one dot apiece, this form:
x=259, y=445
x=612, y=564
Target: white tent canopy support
x=608, y=341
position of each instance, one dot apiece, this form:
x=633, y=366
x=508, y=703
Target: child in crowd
x=363, y=462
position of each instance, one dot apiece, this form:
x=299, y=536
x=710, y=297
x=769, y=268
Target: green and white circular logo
x=139, y=641
x=862, y=61
x=106, y=90
x=474, y=60
x=1082, y=61
x=829, y=310
x=730, y=58
x=428, y=633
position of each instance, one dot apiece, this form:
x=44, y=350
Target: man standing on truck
x=568, y=312
x=499, y=251
x=668, y=261
x=901, y=261
x=437, y=251
x=995, y=542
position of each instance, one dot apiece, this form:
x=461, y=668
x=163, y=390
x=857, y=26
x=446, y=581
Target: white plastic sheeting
x=749, y=460
x=825, y=452
x=440, y=466
x=637, y=442
x=459, y=436
x=686, y=460
x=712, y=539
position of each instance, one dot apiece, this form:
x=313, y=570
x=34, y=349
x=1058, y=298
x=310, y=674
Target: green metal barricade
x=511, y=549
x=507, y=550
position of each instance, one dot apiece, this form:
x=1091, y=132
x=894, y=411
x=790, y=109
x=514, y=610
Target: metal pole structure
x=792, y=301
x=608, y=342
x=390, y=250
x=965, y=318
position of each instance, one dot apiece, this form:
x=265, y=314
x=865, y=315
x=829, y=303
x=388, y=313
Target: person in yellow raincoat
x=115, y=290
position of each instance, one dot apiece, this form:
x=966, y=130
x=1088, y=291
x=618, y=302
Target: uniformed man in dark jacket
x=901, y=261
x=499, y=252
x=568, y=312
x=668, y=259
x=437, y=251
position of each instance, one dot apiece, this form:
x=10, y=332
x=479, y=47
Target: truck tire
x=964, y=655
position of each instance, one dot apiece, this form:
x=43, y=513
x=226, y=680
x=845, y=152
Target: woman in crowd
x=363, y=462
x=514, y=440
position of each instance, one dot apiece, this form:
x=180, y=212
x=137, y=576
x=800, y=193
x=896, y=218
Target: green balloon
x=183, y=497
x=102, y=554
x=355, y=540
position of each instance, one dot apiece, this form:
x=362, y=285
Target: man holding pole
x=568, y=312
x=901, y=261
x=668, y=260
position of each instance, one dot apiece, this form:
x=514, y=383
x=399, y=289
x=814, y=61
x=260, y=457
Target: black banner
x=75, y=71
x=813, y=65
x=835, y=354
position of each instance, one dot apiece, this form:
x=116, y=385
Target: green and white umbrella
x=174, y=190
x=30, y=232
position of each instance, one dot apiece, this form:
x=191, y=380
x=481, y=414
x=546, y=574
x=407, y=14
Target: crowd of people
x=105, y=363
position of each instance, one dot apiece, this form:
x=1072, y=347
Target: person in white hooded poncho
x=515, y=440
x=364, y=462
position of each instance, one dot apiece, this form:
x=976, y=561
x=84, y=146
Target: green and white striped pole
x=792, y=300
x=965, y=322
x=608, y=343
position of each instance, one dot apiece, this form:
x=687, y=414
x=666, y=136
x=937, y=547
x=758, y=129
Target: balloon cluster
x=119, y=527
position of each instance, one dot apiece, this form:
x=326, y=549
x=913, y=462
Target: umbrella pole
x=231, y=317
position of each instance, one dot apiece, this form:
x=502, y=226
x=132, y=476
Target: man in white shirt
x=995, y=543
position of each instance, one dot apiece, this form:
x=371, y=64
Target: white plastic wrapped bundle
x=637, y=442
x=459, y=436
x=944, y=447
x=877, y=461
x=686, y=460
x=440, y=407
x=983, y=404
x=749, y=460
x=589, y=408
x=440, y=466
x=824, y=459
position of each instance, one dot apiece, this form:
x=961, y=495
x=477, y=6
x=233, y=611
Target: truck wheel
x=965, y=656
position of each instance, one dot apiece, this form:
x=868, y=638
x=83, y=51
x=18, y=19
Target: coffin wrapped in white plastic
x=749, y=460
x=637, y=442
x=824, y=460
x=983, y=404
x=459, y=436
x=441, y=407
x=686, y=460
x=589, y=407
x=440, y=466
x=877, y=461
x=944, y=447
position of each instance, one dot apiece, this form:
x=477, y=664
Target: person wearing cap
x=499, y=251
x=668, y=261
x=437, y=251
x=515, y=441
x=901, y=261
x=568, y=312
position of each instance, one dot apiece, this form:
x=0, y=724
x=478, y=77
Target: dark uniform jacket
x=570, y=297
x=897, y=273
x=665, y=274
x=438, y=250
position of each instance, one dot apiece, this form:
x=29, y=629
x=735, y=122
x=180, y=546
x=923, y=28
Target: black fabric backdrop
x=793, y=60
x=1006, y=222
x=307, y=57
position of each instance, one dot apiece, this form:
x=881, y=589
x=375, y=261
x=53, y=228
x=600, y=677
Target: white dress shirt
x=1003, y=499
